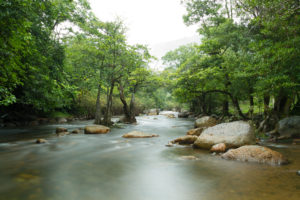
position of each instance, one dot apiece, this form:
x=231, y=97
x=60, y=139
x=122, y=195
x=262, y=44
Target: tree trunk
x=225, y=108
x=266, y=105
x=98, y=107
x=132, y=108
x=236, y=104
x=251, y=108
x=203, y=104
x=123, y=100
x=282, y=105
x=108, y=113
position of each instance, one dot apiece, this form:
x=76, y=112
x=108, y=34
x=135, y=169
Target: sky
x=149, y=22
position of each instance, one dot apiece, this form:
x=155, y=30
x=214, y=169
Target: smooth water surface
x=109, y=167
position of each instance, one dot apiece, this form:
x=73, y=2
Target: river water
x=109, y=167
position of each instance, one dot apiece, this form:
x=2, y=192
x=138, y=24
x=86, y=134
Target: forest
x=58, y=59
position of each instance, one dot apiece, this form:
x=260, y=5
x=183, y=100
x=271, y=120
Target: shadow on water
x=111, y=167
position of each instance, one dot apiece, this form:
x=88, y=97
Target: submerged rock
x=170, y=116
x=289, y=127
x=255, y=153
x=76, y=131
x=196, y=131
x=139, y=134
x=218, y=148
x=61, y=130
x=96, y=129
x=170, y=144
x=40, y=141
x=188, y=139
x=233, y=134
x=205, y=122
x=62, y=133
x=188, y=158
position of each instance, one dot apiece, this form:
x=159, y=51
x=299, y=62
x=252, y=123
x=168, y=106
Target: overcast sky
x=148, y=21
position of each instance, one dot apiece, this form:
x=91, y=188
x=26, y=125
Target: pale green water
x=109, y=167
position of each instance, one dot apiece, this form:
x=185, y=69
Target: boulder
x=205, y=122
x=40, y=141
x=184, y=114
x=153, y=112
x=61, y=130
x=96, y=129
x=196, y=131
x=76, y=131
x=255, y=153
x=289, y=127
x=188, y=139
x=170, y=116
x=233, y=134
x=139, y=134
x=218, y=148
x=61, y=120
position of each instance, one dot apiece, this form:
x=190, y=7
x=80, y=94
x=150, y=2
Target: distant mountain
x=159, y=50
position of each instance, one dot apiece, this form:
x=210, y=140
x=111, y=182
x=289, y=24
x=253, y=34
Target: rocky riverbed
x=97, y=166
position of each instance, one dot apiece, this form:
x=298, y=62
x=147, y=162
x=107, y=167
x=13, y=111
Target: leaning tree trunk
x=236, y=104
x=125, y=105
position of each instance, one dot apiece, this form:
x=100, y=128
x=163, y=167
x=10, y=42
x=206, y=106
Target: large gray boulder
x=289, y=127
x=206, y=121
x=255, y=153
x=233, y=134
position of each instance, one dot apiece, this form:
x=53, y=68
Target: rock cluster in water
x=219, y=138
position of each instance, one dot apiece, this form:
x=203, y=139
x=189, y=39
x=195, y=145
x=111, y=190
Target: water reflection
x=111, y=167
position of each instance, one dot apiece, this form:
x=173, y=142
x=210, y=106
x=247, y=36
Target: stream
x=109, y=167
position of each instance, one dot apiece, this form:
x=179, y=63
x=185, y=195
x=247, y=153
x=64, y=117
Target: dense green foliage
x=56, y=56
x=249, y=53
